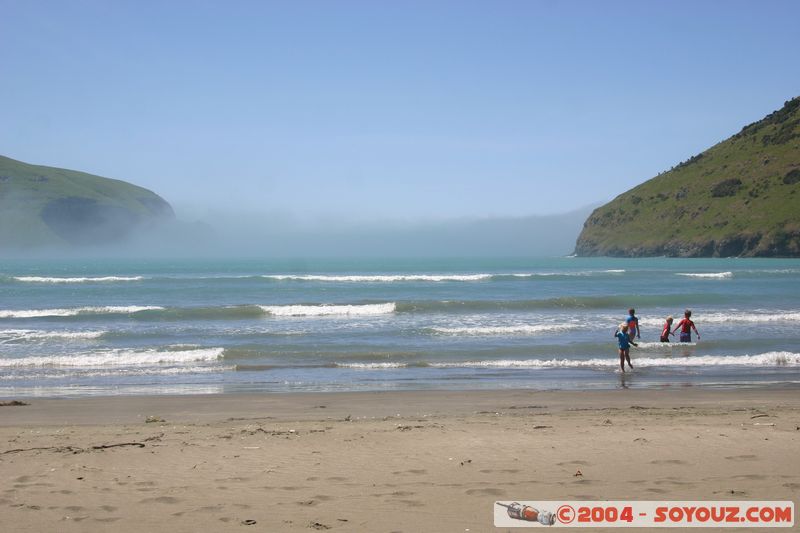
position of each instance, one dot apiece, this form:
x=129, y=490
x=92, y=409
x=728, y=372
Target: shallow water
x=212, y=326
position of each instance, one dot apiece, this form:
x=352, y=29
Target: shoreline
x=386, y=461
x=288, y=406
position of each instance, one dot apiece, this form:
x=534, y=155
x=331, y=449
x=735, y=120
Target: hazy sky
x=391, y=110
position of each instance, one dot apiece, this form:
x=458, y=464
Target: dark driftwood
x=74, y=449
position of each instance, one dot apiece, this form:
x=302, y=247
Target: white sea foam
x=30, y=334
x=521, y=329
x=761, y=360
x=732, y=316
x=382, y=278
x=117, y=371
x=103, y=279
x=330, y=310
x=665, y=346
x=116, y=357
x=709, y=275
x=102, y=310
x=371, y=366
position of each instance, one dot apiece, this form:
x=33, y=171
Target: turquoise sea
x=108, y=327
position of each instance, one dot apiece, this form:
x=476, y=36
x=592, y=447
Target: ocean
x=144, y=327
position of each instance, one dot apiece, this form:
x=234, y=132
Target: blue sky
x=387, y=110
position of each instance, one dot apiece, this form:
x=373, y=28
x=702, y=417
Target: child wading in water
x=633, y=324
x=625, y=342
x=665, y=333
x=686, y=325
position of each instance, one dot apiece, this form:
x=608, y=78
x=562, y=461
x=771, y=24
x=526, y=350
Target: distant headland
x=739, y=198
x=46, y=206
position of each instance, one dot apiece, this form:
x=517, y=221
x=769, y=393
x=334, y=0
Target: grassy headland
x=42, y=205
x=738, y=198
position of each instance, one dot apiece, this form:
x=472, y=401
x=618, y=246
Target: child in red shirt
x=686, y=325
x=665, y=333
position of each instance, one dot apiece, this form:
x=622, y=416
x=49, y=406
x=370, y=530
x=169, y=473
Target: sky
x=320, y=111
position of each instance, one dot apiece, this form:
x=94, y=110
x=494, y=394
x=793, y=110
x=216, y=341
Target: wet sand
x=393, y=461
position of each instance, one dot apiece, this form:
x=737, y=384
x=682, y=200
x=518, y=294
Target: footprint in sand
x=412, y=503
x=485, y=492
x=161, y=499
x=566, y=463
x=210, y=508
x=673, y=482
x=416, y=471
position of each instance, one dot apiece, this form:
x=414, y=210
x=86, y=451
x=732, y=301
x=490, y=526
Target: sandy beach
x=393, y=461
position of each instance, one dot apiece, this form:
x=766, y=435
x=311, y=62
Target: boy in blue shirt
x=625, y=342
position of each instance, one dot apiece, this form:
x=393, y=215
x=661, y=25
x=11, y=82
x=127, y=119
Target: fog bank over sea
x=284, y=235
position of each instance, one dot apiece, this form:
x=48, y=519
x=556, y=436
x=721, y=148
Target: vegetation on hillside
x=740, y=197
x=43, y=205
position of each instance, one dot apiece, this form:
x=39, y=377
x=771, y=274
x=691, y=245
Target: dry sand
x=381, y=462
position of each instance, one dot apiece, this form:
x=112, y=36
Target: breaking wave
x=102, y=310
x=709, y=275
x=733, y=316
x=330, y=310
x=381, y=278
x=765, y=359
x=103, y=279
x=30, y=334
x=116, y=357
x=522, y=329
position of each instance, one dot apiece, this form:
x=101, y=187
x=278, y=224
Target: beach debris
x=542, y=427
x=74, y=449
x=758, y=416
x=768, y=425
x=577, y=473
x=348, y=418
x=466, y=462
x=607, y=422
x=13, y=403
x=249, y=522
x=154, y=420
x=317, y=525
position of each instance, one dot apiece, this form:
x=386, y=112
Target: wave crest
x=117, y=357
x=330, y=310
x=111, y=309
x=522, y=329
x=102, y=279
x=708, y=275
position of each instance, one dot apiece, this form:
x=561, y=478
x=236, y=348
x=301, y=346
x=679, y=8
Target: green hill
x=738, y=198
x=52, y=206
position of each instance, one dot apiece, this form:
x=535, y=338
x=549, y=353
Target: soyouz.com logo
x=644, y=514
